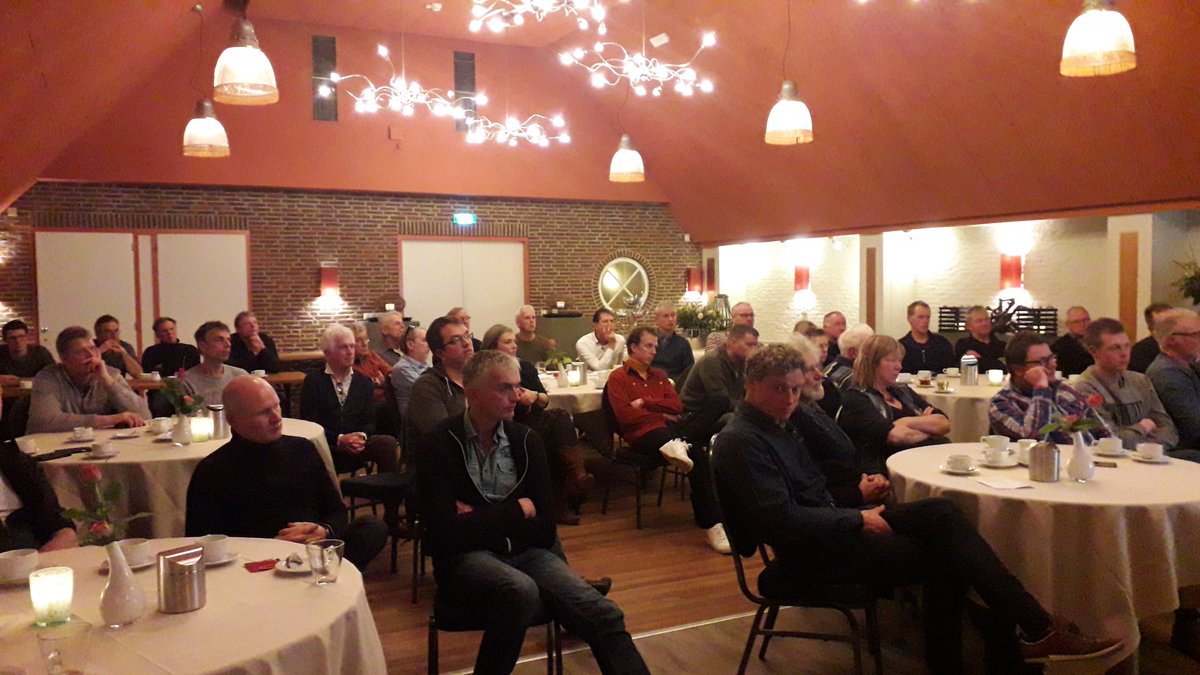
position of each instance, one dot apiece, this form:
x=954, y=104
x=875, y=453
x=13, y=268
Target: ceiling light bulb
x=626, y=165
x=1099, y=42
x=789, y=122
x=204, y=135
x=243, y=75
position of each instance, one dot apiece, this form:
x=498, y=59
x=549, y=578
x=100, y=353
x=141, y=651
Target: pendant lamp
x=1099, y=42
x=626, y=166
x=243, y=75
x=789, y=122
x=204, y=135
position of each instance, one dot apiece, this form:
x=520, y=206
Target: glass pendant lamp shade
x=204, y=135
x=1099, y=42
x=626, y=166
x=243, y=75
x=789, y=122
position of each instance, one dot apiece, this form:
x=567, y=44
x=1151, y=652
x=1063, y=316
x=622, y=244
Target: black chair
x=391, y=490
x=619, y=454
x=455, y=619
x=778, y=588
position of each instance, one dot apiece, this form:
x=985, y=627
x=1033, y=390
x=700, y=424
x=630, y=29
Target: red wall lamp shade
x=1011, y=274
x=802, y=278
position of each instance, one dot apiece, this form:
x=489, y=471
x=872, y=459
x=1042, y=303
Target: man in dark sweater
x=1146, y=349
x=342, y=402
x=981, y=342
x=168, y=356
x=18, y=357
x=485, y=493
x=674, y=353
x=1073, y=357
x=252, y=350
x=923, y=349
x=267, y=485
x=30, y=516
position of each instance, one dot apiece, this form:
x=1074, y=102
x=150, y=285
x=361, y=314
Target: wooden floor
x=667, y=580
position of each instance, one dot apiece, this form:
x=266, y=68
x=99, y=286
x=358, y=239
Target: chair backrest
x=18, y=416
x=742, y=545
x=683, y=378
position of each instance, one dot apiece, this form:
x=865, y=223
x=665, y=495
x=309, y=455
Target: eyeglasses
x=1044, y=361
x=1192, y=334
x=464, y=339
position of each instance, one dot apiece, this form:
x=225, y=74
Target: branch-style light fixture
x=536, y=129
x=1099, y=42
x=644, y=74
x=402, y=96
x=243, y=75
x=204, y=135
x=626, y=165
x=499, y=15
x=789, y=121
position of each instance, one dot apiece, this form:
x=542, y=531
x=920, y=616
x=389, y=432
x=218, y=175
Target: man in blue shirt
x=674, y=353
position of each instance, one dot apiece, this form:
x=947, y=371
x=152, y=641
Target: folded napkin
x=1003, y=483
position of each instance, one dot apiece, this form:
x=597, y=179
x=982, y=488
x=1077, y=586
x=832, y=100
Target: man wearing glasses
x=438, y=393
x=1033, y=397
x=1073, y=355
x=1175, y=374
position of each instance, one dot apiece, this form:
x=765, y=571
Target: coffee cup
x=995, y=442
x=103, y=449
x=1150, y=451
x=159, y=425
x=1058, y=374
x=1074, y=379
x=924, y=377
x=146, y=376
x=904, y=378
x=959, y=463
x=952, y=372
x=26, y=384
x=258, y=373
x=137, y=551
x=27, y=445
x=1023, y=453
x=17, y=563
x=82, y=434
x=155, y=376
x=1110, y=446
x=216, y=547
x=943, y=383
x=995, y=455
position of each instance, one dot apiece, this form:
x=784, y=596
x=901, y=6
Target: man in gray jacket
x=82, y=391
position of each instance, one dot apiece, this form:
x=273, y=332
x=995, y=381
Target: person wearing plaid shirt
x=1033, y=397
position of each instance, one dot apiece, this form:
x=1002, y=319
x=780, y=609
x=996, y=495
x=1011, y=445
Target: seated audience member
x=831, y=401
x=413, y=362
x=485, y=495
x=841, y=368
x=116, y=352
x=252, y=350
x=1146, y=349
x=741, y=314
x=832, y=449
x=981, y=343
x=603, y=348
x=391, y=334
x=438, y=392
x=209, y=379
x=462, y=315
x=650, y=417
x=531, y=347
x=834, y=324
x=368, y=363
x=564, y=454
x=771, y=488
x=1175, y=372
x=674, y=351
x=168, y=355
x=342, y=402
x=30, y=515
x=1073, y=356
x=82, y=391
x=924, y=349
x=1033, y=397
x=716, y=379
x=18, y=356
x=881, y=416
x=266, y=485
x=1131, y=407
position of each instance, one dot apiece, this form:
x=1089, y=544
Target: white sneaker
x=718, y=540
x=675, y=451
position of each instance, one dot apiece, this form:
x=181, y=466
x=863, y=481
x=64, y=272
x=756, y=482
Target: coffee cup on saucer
x=995, y=442
x=952, y=372
x=995, y=455
x=904, y=378
x=103, y=450
x=26, y=384
x=1151, y=452
x=924, y=377
x=960, y=463
x=258, y=373
x=159, y=425
x=17, y=564
x=82, y=434
x=942, y=383
x=1023, y=447
x=216, y=547
x=137, y=551
x=1110, y=446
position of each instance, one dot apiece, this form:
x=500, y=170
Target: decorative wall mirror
x=624, y=285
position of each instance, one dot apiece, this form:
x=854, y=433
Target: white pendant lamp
x=243, y=75
x=626, y=166
x=204, y=135
x=1099, y=42
x=789, y=122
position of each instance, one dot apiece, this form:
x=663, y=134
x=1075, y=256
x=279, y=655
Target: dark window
x=464, y=84
x=324, y=62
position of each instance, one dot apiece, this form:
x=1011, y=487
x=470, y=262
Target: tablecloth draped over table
x=252, y=623
x=967, y=408
x=1103, y=553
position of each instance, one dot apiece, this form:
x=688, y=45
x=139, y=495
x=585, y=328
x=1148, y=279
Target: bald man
x=266, y=485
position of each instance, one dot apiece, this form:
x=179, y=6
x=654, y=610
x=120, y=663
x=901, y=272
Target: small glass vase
x=1082, y=466
x=181, y=433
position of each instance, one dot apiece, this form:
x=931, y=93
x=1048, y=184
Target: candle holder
x=202, y=428
x=576, y=373
x=995, y=377
x=50, y=591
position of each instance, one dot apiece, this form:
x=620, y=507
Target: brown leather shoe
x=1065, y=642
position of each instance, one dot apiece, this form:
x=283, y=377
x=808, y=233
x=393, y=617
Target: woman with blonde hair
x=881, y=416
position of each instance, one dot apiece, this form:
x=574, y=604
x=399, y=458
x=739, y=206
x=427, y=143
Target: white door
x=201, y=277
x=82, y=275
x=485, y=277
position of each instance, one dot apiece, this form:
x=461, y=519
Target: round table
x=966, y=406
x=254, y=623
x=1103, y=553
x=575, y=400
x=155, y=474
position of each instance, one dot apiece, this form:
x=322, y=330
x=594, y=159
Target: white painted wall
x=1176, y=239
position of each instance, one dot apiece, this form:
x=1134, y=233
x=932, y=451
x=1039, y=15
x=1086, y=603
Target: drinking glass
x=65, y=646
x=325, y=559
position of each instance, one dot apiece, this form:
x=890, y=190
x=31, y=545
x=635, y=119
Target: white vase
x=122, y=602
x=181, y=433
x=1081, y=467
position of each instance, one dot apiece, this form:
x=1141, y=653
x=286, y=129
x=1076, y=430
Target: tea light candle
x=574, y=375
x=50, y=591
x=995, y=377
x=202, y=429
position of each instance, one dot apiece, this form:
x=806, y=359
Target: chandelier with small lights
x=401, y=95
x=499, y=15
x=645, y=75
x=536, y=129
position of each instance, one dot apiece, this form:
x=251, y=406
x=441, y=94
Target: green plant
x=180, y=398
x=1071, y=423
x=689, y=316
x=557, y=360
x=1189, y=283
x=103, y=523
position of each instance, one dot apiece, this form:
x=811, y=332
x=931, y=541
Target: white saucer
x=127, y=433
x=921, y=386
x=955, y=472
x=1100, y=453
x=139, y=566
x=164, y=437
x=1138, y=458
x=1006, y=463
x=75, y=439
x=92, y=455
x=282, y=568
x=233, y=555
x=947, y=391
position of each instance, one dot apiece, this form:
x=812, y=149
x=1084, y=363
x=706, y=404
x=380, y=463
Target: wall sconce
x=693, y=285
x=802, y=278
x=329, y=281
x=1011, y=271
x=50, y=591
x=710, y=275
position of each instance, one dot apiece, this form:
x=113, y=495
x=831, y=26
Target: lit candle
x=995, y=377
x=202, y=428
x=573, y=377
x=50, y=590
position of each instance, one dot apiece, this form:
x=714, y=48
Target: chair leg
x=432, y=657
x=558, y=648
x=637, y=496
x=662, y=484
x=873, y=638
x=769, y=624
x=549, y=648
x=754, y=630
x=608, y=478
x=855, y=639
x=416, y=561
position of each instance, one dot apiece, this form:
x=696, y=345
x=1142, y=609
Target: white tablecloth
x=155, y=474
x=575, y=400
x=1103, y=553
x=966, y=406
x=251, y=623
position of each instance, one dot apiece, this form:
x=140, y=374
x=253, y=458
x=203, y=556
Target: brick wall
x=292, y=231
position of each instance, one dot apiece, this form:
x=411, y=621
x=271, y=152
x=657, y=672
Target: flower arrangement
x=556, y=360
x=180, y=398
x=689, y=316
x=1070, y=424
x=101, y=524
x=1189, y=283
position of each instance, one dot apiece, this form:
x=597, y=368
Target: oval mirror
x=624, y=285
